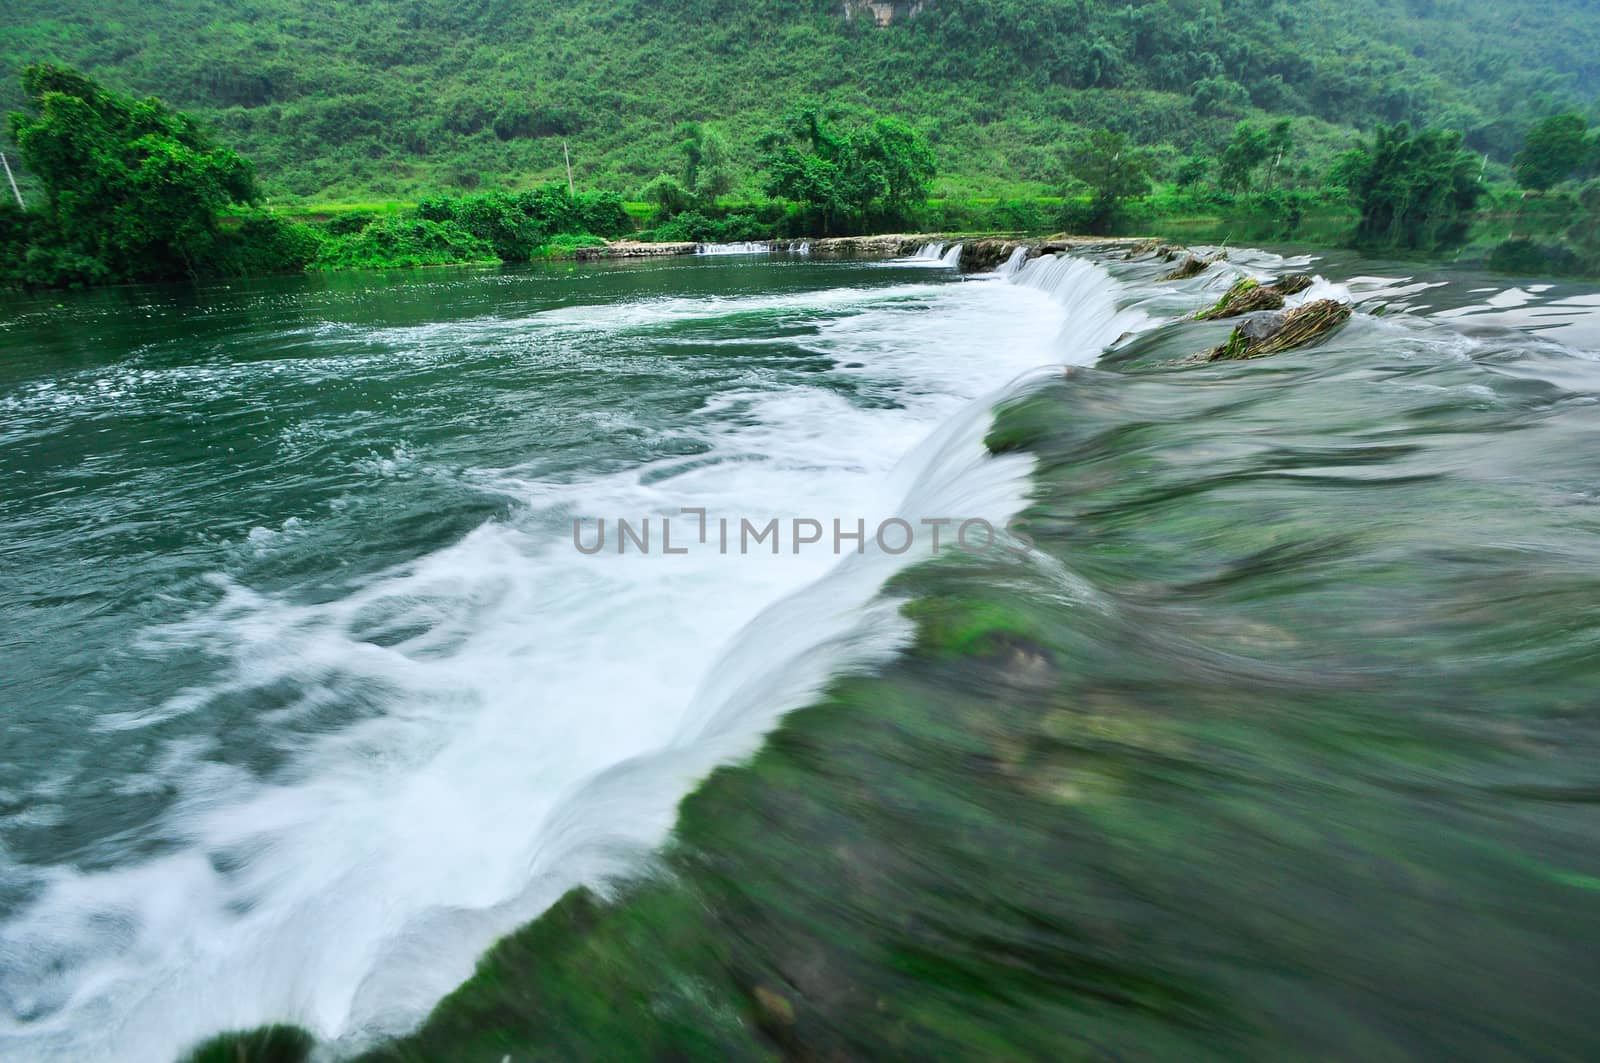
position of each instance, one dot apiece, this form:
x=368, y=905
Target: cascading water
x=934, y=255
x=1013, y=262
x=461, y=737
x=370, y=709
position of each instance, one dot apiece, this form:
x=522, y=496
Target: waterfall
x=938, y=255
x=1087, y=292
x=1019, y=255
x=352, y=893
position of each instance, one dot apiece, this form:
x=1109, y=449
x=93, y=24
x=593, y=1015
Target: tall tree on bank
x=129, y=183
x=1250, y=148
x=878, y=172
x=1114, y=170
x=708, y=165
x=1414, y=192
x=1556, y=146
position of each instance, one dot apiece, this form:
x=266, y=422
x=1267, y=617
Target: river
x=1270, y=722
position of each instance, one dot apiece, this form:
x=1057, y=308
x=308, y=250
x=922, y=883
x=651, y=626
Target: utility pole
x=9, y=176
x=568, y=155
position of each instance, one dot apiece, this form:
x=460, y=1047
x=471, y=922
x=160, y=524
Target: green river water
x=1269, y=730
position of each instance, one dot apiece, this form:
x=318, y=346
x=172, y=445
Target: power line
x=12, y=178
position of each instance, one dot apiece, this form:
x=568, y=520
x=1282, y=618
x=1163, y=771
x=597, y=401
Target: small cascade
x=1019, y=255
x=935, y=255
x=803, y=249
x=1088, y=294
x=747, y=247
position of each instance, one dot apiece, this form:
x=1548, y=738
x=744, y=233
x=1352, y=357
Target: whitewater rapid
x=534, y=715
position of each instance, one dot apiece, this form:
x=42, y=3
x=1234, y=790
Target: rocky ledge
x=977, y=253
x=635, y=249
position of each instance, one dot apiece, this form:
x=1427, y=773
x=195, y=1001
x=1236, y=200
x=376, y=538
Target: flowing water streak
x=934, y=255
x=541, y=712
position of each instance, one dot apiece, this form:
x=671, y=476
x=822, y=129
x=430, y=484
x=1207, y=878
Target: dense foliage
x=875, y=174
x=361, y=99
x=1414, y=191
x=132, y=190
x=1114, y=172
x=1042, y=114
x=1556, y=146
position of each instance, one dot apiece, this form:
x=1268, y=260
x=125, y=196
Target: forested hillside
x=389, y=98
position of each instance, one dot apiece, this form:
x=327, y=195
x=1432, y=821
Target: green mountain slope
x=385, y=97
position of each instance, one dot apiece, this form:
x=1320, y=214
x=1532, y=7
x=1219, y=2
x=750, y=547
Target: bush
x=693, y=226
x=404, y=242
x=263, y=244
x=348, y=224
x=668, y=194
x=32, y=254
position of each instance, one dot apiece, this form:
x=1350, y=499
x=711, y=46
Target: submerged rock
x=1244, y=296
x=1248, y=295
x=265, y=1044
x=1275, y=331
x=1191, y=266
x=978, y=256
x=1155, y=249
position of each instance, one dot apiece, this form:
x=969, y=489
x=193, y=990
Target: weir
x=462, y=736
x=352, y=891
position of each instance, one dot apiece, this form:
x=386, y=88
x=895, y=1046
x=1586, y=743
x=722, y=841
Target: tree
x=1191, y=171
x=898, y=165
x=1218, y=95
x=877, y=172
x=1413, y=191
x=708, y=168
x=129, y=183
x=1555, y=147
x=1113, y=170
x=1280, y=139
x=668, y=194
x=1250, y=147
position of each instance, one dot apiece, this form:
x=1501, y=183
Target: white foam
x=745, y=247
x=535, y=714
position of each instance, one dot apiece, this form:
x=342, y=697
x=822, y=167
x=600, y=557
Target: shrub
x=404, y=242
x=263, y=243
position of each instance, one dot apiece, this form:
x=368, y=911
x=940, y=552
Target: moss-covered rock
x=1191, y=266
x=266, y=1044
x=1274, y=332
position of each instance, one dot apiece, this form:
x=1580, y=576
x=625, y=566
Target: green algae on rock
x=1271, y=333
